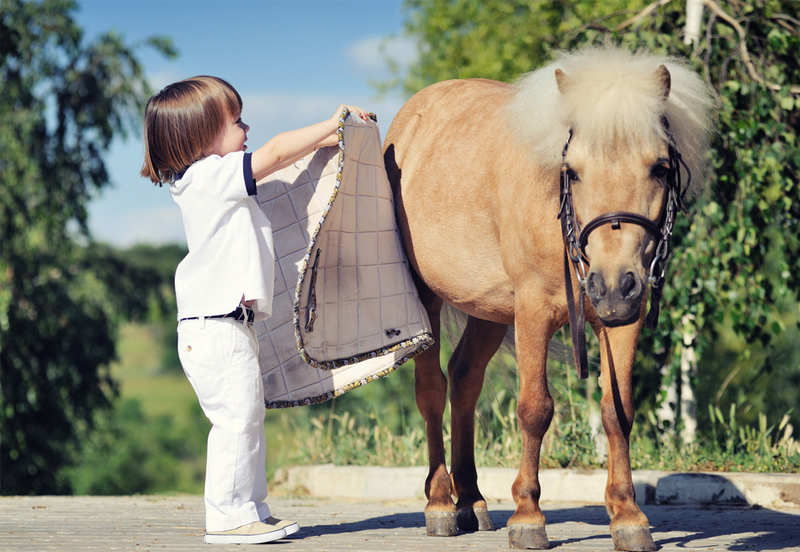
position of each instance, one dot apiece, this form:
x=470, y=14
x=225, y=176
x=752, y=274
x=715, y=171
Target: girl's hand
x=363, y=114
x=333, y=139
x=287, y=147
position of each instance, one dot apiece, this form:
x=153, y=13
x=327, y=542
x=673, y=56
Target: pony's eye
x=659, y=171
x=573, y=176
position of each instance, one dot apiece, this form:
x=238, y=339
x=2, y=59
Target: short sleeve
x=230, y=177
x=249, y=181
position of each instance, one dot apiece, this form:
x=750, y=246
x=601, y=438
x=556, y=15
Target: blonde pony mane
x=613, y=99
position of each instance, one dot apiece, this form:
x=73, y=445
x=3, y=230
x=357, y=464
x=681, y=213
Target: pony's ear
x=562, y=80
x=664, y=79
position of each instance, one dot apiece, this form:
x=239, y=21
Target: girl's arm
x=287, y=147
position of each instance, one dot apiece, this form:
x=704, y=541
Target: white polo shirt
x=229, y=237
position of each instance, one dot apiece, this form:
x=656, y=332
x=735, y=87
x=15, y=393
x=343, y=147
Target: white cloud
x=161, y=79
x=271, y=113
x=370, y=54
x=291, y=109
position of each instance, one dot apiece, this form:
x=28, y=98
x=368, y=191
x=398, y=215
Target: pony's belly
x=460, y=264
x=472, y=292
x=498, y=309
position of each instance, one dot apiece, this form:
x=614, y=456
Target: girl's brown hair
x=181, y=123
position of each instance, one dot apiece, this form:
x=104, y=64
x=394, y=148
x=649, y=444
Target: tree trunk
x=688, y=404
x=679, y=402
x=694, y=20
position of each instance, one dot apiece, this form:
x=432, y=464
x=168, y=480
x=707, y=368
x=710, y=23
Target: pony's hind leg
x=430, y=387
x=466, y=369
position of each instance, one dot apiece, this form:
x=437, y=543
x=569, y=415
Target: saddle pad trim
x=342, y=390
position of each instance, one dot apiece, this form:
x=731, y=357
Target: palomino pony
x=481, y=174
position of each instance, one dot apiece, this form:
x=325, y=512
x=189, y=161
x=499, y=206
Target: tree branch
x=781, y=20
x=642, y=14
x=784, y=17
x=748, y=62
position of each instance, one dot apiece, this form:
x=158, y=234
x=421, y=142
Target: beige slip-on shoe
x=252, y=533
x=291, y=527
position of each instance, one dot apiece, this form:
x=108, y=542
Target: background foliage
x=61, y=296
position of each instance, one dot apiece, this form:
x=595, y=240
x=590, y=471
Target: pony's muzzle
x=618, y=300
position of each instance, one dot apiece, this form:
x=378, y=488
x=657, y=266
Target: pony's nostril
x=595, y=286
x=627, y=285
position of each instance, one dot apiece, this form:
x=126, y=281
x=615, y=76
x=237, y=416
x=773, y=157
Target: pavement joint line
x=588, y=486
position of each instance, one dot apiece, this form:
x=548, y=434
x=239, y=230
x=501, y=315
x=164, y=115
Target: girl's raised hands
x=363, y=114
x=288, y=147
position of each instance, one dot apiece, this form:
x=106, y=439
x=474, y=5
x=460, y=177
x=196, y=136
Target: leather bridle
x=575, y=241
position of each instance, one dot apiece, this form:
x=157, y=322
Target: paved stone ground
x=175, y=523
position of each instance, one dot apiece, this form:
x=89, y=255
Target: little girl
x=194, y=140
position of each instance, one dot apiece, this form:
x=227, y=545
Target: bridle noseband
x=575, y=241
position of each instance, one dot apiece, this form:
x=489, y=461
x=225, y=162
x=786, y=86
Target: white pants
x=220, y=358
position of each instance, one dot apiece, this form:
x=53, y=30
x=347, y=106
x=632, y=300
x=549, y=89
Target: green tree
x=736, y=265
x=496, y=39
x=62, y=101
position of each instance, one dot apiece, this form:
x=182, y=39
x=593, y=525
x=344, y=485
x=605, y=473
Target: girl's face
x=232, y=137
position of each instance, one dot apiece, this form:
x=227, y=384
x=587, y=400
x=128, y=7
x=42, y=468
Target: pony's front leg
x=629, y=527
x=534, y=328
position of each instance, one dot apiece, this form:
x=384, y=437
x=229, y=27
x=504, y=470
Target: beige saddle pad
x=345, y=309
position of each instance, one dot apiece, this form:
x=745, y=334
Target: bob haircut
x=181, y=123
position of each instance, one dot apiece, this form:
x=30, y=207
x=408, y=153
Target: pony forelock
x=613, y=99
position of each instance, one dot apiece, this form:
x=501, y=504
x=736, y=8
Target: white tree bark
x=596, y=422
x=688, y=369
x=666, y=413
x=680, y=403
x=694, y=20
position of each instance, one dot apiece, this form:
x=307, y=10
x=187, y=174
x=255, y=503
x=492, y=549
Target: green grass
x=343, y=438
x=141, y=376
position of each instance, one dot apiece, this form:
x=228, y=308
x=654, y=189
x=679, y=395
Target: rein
x=575, y=241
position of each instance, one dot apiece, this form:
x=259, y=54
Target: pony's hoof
x=474, y=519
x=527, y=537
x=633, y=538
x=441, y=524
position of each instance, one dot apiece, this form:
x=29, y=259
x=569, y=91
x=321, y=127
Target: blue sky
x=292, y=61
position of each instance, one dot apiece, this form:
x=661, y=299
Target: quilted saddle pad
x=345, y=309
